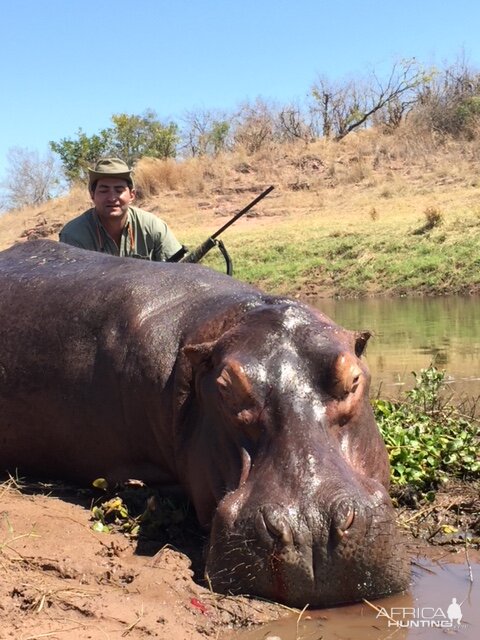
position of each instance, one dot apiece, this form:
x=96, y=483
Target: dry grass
x=369, y=183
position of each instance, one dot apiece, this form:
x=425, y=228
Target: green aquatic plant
x=428, y=439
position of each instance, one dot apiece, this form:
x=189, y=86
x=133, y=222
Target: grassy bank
x=380, y=258
x=373, y=215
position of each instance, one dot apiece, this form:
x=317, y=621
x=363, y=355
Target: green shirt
x=144, y=236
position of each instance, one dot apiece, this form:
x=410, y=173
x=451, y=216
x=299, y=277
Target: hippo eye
x=236, y=391
x=361, y=339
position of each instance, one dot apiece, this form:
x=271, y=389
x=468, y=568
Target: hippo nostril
x=277, y=526
x=342, y=529
x=342, y=521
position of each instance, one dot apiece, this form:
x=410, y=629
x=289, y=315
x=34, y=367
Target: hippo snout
x=308, y=553
x=279, y=528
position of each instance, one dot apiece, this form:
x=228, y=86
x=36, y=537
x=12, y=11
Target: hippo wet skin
x=176, y=374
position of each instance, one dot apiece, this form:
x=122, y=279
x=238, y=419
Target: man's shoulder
x=79, y=231
x=142, y=214
x=150, y=225
x=146, y=219
x=80, y=222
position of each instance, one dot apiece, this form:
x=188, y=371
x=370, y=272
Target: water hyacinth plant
x=428, y=438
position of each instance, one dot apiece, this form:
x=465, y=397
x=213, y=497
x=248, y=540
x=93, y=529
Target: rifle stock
x=199, y=252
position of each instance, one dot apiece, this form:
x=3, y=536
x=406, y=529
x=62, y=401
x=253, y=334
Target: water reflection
x=420, y=613
x=412, y=333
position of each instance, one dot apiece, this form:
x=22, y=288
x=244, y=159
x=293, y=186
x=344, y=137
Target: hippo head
x=289, y=466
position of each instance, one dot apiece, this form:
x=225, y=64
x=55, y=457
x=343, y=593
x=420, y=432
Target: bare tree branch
x=30, y=180
x=349, y=106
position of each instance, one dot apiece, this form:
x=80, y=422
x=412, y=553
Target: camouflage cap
x=110, y=168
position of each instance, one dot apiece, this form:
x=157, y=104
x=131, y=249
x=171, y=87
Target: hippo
x=175, y=374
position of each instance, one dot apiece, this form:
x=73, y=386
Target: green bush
x=468, y=114
x=428, y=439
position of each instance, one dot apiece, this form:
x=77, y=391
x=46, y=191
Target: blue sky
x=70, y=64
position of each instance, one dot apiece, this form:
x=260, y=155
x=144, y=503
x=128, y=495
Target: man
x=114, y=226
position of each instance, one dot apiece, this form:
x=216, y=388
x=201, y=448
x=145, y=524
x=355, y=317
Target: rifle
x=184, y=255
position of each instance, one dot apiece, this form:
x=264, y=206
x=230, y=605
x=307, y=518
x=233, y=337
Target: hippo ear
x=346, y=376
x=361, y=339
x=199, y=354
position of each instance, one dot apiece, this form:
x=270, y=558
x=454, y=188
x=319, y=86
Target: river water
x=421, y=613
x=412, y=333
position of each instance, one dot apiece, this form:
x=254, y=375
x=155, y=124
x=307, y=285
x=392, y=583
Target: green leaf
x=100, y=483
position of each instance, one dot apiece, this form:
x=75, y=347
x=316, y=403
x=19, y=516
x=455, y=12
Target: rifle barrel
x=242, y=212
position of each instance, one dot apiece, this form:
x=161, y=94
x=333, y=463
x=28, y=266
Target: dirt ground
x=61, y=579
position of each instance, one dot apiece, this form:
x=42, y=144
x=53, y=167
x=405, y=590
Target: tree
x=30, y=179
x=450, y=102
x=206, y=133
x=77, y=155
x=219, y=136
x=293, y=125
x=257, y=126
x=342, y=108
x=133, y=137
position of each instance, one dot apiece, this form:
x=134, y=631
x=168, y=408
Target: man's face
x=112, y=198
